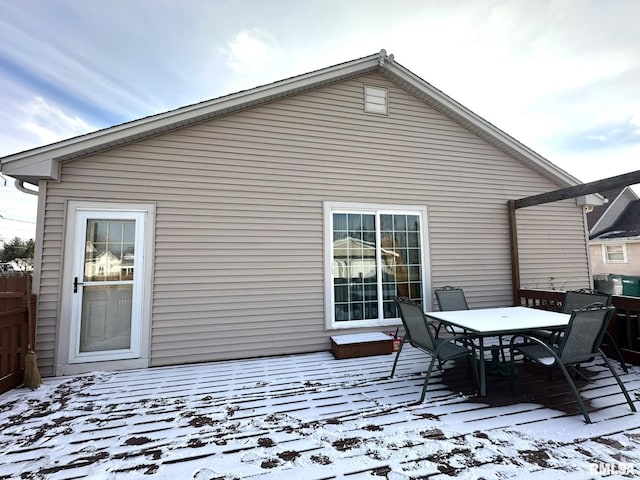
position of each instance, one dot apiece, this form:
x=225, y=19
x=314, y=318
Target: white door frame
x=69, y=360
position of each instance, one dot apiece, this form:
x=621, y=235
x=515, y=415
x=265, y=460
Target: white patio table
x=495, y=322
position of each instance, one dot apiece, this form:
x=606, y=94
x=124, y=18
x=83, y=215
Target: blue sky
x=561, y=76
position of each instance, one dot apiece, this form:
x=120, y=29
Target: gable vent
x=376, y=99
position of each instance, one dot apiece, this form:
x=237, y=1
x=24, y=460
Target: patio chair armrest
x=523, y=336
x=459, y=333
x=466, y=340
x=435, y=325
x=531, y=340
x=435, y=328
x=528, y=340
x=455, y=341
x=556, y=336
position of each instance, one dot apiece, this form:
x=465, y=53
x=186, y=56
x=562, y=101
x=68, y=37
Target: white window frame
x=340, y=207
x=67, y=362
x=137, y=306
x=606, y=253
x=376, y=99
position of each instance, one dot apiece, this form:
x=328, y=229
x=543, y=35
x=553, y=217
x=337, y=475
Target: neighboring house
x=614, y=233
x=308, y=204
x=17, y=265
x=11, y=266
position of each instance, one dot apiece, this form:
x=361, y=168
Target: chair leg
x=579, y=374
x=395, y=362
x=438, y=328
x=613, y=344
x=426, y=380
x=622, y=387
x=512, y=367
x=474, y=367
x=502, y=349
x=567, y=376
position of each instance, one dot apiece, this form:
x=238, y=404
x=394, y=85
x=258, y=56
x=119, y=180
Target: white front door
x=107, y=285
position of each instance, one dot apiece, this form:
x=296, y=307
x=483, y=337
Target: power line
x=16, y=220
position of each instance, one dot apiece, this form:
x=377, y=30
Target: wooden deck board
x=277, y=418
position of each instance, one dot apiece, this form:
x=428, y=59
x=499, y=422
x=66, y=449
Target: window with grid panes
x=375, y=255
x=615, y=253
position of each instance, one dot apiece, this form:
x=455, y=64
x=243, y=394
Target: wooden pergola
x=619, y=181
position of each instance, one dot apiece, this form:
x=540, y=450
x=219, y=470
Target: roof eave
x=622, y=239
x=42, y=163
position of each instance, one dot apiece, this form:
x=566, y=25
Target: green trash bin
x=631, y=286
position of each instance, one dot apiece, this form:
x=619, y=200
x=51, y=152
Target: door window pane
x=110, y=250
x=362, y=268
x=106, y=318
x=354, y=267
x=401, y=265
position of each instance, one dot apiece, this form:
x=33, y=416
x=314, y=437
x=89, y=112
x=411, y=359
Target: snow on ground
x=307, y=417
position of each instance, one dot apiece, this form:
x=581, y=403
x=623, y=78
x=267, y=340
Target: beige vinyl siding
x=238, y=267
x=49, y=286
x=553, y=247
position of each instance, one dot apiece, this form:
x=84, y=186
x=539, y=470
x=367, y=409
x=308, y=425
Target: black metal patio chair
x=420, y=333
x=453, y=298
x=576, y=299
x=449, y=299
x=579, y=344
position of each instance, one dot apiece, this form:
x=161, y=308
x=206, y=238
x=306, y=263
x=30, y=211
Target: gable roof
x=624, y=221
x=43, y=163
x=626, y=226
x=618, y=218
x=598, y=211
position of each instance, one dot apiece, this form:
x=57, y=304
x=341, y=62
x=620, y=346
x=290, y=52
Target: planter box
x=361, y=345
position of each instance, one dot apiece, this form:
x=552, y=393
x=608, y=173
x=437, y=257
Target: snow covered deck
x=313, y=417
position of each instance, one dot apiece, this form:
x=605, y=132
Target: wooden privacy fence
x=624, y=327
x=14, y=330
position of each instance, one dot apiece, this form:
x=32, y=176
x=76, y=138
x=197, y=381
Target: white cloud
x=49, y=123
x=597, y=164
x=635, y=119
x=36, y=121
x=251, y=51
x=550, y=72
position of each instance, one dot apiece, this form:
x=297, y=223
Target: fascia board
x=604, y=241
x=630, y=193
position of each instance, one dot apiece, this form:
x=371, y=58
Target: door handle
x=75, y=284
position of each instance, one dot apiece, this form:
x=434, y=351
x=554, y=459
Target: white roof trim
x=591, y=200
x=615, y=240
x=43, y=163
x=605, y=220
